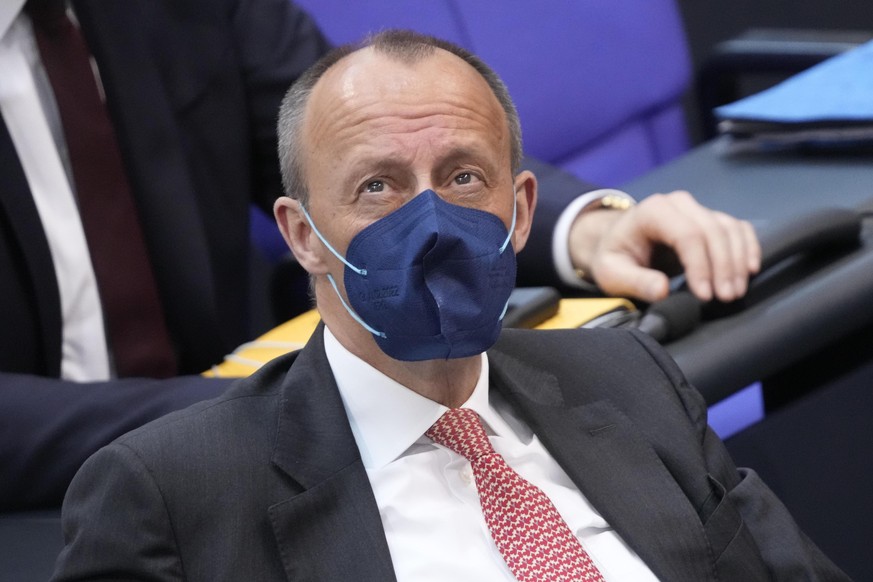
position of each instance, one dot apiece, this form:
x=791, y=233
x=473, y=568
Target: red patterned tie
x=527, y=529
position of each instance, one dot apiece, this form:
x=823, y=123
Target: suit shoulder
x=603, y=341
x=612, y=362
x=245, y=407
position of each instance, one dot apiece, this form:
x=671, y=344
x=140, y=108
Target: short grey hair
x=403, y=45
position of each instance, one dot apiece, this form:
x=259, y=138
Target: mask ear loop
x=506, y=243
x=352, y=312
x=512, y=224
x=362, y=272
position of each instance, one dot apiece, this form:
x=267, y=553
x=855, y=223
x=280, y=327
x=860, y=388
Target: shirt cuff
x=561, y=236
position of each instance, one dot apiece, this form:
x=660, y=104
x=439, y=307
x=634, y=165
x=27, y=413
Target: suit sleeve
x=113, y=490
x=49, y=427
x=277, y=42
x=788, y=553
x=557, y=189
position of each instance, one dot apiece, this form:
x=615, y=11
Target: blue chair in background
x=598, y=85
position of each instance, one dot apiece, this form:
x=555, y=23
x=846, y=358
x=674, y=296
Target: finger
x=683, y=226
x=738, y=255
x=724, y=246
x=621, y=276
x=753, y=247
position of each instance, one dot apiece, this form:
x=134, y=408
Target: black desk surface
x=822, y=301
x=764, y=187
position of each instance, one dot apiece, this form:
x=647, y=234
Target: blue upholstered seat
x=598, y=84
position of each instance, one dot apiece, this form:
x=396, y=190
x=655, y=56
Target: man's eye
x=375, y=186
x=464, y=178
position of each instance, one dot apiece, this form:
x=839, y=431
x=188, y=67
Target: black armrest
x=778, y=52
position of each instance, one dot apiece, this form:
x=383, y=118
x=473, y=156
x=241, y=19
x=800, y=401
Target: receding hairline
x=404, y=47
x=342, y=65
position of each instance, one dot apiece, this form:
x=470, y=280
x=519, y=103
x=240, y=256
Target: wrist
x=561, y=235
x=590, y=227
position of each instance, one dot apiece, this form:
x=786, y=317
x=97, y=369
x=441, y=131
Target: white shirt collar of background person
x=9, y=10
x=427, y=496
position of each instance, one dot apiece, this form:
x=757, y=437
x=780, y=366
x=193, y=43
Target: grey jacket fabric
x=266, y=483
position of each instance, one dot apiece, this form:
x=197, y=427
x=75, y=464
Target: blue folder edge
x=838, y=89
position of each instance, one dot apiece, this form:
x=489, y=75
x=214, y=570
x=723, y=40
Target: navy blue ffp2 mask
x=430, y=280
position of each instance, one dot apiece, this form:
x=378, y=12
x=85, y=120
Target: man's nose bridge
x=423, y=183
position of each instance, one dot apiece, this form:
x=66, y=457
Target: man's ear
x=298, y=235
x=526, y=201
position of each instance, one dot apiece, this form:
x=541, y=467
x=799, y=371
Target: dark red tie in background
x=138, y=336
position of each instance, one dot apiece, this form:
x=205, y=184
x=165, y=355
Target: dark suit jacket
x=266, y=483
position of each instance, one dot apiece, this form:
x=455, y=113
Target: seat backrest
x=597, y=84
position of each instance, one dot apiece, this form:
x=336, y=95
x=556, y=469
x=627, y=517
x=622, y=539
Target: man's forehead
x=369, y=72
x=369, y=92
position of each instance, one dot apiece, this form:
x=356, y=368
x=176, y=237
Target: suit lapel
x=23, y=218
x=332, y=527
x=332, y=530
x=615, y=468
x=116, y=31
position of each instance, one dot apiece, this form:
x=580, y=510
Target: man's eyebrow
x=460, y=154
x=376, y=165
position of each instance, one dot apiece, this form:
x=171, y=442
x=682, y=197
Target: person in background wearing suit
x=394, y=446
x=107, y=308
x=168, y=70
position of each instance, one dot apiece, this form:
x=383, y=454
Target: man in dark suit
x=406, y=206
x=169, y=71
x=192, y=89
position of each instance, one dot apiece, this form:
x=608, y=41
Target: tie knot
x=461, y=430
x=47, y=13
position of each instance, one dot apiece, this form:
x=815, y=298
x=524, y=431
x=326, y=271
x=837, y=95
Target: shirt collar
x=387, y=417
x=9, y=10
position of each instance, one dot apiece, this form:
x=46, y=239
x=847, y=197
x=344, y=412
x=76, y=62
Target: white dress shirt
x=31, y=116
x=427, y=495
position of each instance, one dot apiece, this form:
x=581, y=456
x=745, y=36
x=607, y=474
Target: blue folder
x=836, y=91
